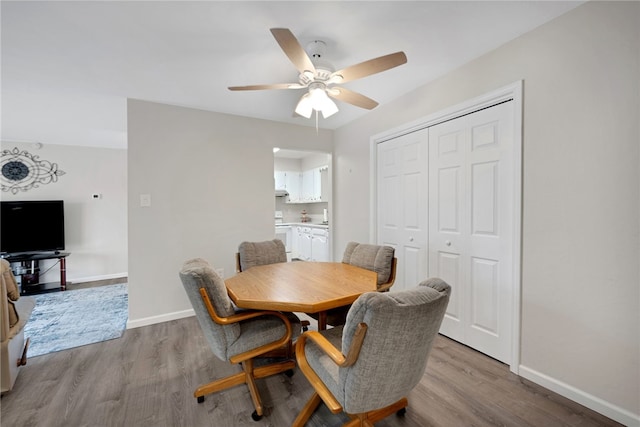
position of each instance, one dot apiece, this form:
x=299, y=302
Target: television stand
x=28, y=271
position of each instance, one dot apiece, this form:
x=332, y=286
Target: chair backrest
x=401, y=328
x=195, y=274
x=372, y=257
x=251, y=254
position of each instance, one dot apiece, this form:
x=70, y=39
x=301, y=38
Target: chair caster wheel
x=401, y=412
x=255, y=416
x=200, y=399
x=289, y=373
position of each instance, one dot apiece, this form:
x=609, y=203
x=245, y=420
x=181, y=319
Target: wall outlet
x=220, y=272
x=96, y=196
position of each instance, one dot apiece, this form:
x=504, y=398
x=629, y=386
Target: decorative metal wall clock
x=22, y=171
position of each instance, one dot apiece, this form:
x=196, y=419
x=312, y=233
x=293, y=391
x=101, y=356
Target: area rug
x=68, y=319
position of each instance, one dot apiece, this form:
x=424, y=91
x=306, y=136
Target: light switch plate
x=145, y=200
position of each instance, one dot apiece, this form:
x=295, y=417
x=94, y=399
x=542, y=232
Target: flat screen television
x=32, y=226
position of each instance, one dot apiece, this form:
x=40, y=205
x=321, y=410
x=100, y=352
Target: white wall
x=210, y=177
x=581, y=187
x=95, y=229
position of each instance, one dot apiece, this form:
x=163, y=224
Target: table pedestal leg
x=322, y=320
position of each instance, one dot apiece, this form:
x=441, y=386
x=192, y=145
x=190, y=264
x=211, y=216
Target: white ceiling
x=68, y=67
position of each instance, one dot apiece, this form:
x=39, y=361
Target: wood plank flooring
x=147, y=378
x=96, y=283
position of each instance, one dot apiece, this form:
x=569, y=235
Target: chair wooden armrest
x=245, y=315
x=336, y=356
x=238, y=317
x=392, y=277
x=238, y=266
x=384, y=287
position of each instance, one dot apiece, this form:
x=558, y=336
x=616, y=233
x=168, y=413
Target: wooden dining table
x=300, y=286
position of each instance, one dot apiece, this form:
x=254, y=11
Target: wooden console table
x=29, y=269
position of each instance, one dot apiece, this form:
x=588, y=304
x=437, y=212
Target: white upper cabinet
x=307, y=186
x=289, y=181
x=322, y=189
x=304, y=187
x=280, y=180
x=293, y=185
x=314, y=184
x=304, y=175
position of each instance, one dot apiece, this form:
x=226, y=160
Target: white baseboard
x=146, y=321
x=601, y=406
x=96, y=278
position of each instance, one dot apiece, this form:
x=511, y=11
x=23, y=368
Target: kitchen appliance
x=284, y=233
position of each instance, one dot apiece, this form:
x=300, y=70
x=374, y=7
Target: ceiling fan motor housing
x=316, y=51
x=321, y=75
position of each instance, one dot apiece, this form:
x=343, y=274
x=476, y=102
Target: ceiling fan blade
x=272, y=86
x=293, y=49
x=370, y=67
x=351, y=97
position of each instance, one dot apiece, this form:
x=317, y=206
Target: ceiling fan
x=320, y=80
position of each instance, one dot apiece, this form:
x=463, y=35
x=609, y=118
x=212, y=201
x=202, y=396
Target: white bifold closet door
x=471, y=211
x=402, y=204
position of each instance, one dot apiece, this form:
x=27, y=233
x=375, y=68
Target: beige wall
x=95, y=229
x=210, y=177
x=581, y=187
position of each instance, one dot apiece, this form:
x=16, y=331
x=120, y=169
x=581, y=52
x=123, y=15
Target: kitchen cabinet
x=289, y=181
x=322, y=188
x=315, y=183
x=303, y=236
x=279, y=177
x=309, y=186
x=292, y=181
x=311, y=243
x=319, y=244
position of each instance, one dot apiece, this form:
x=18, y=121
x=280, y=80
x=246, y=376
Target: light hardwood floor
x=147, y=378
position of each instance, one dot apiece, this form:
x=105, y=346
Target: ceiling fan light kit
x=317, y=76
x=316, y=99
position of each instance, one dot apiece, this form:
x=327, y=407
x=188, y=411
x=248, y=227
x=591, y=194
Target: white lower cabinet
x=305, y=244
x=319, y=245
x=310, y=243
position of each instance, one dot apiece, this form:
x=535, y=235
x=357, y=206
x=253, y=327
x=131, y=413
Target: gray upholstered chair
x=237, y=337
x=367, y=367
x=378, y=258
x=251, y=254
x=15, y=311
